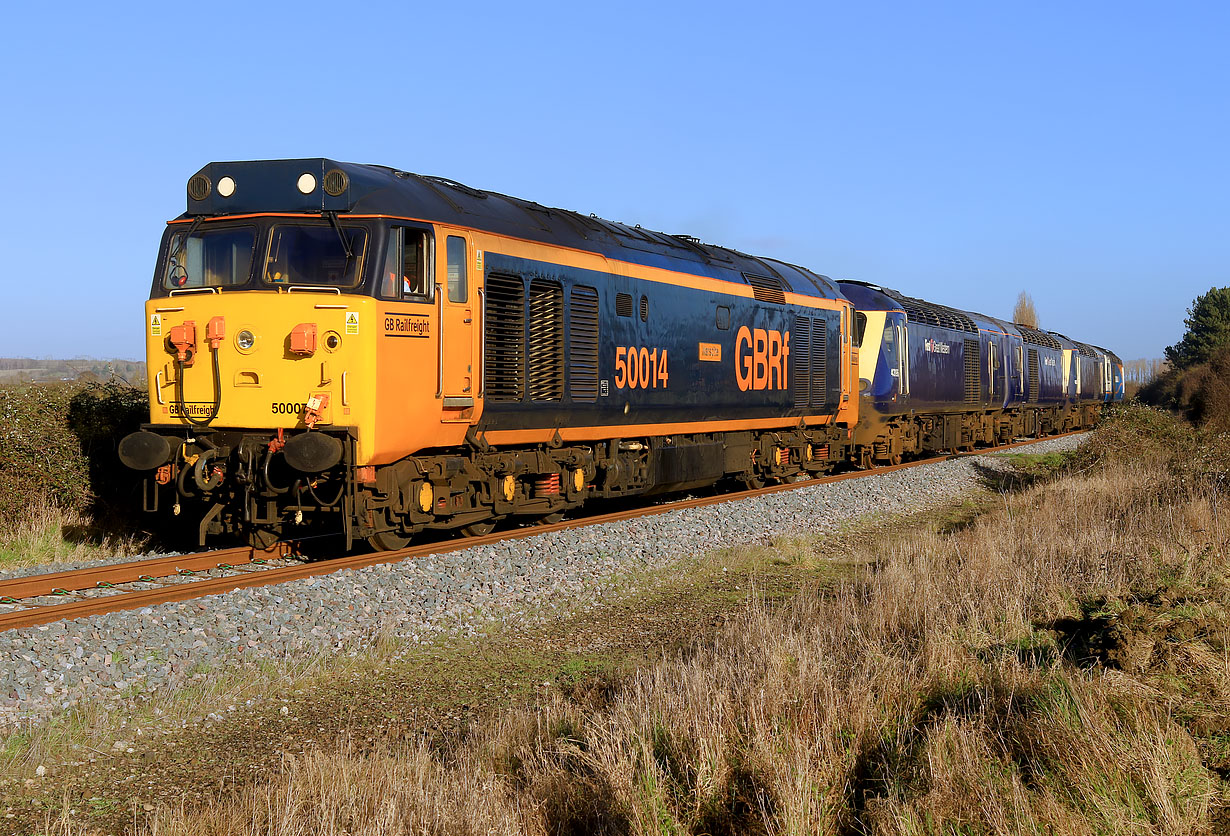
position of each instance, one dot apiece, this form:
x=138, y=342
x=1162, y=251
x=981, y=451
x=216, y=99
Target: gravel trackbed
x=124, y=656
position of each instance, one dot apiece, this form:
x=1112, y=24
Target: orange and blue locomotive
x=356, y=349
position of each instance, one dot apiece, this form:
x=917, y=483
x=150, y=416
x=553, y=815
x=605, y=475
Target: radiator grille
x=809, y=341
x=546, y=341
x=504, y=372
x=1036, y=337
x=583, y=345
x=973, y=372
x=819, y=362
x=1033, y=375
x=800, y=356
x=929, y=313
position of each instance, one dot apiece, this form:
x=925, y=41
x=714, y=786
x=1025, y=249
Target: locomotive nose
x=144, y=450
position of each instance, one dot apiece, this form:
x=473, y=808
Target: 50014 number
x=640, y=368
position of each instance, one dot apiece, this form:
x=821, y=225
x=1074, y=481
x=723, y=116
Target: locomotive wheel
x=753, y=482
x=478, y=529
x=388, y=541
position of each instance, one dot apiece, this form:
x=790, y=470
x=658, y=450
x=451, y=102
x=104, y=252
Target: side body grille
x=546, y=341
x=1033, y=375
x=505, y=338
x=800, y=374
x=809, y=362
x=973, y=372
x=583, y=344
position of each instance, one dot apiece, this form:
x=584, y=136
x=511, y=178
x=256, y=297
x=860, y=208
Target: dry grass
x=48, y=532
x=1056, y=667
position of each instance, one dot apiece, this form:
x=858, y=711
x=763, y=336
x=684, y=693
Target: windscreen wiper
x=332, y=216
x=195, y=223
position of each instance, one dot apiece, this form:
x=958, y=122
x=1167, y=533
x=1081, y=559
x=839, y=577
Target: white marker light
x=307, y=183
x=226, y=187
x=245, y=339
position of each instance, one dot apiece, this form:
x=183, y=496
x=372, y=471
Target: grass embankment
x=63, y=494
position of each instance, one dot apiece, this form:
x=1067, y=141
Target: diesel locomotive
x=358, y=349
x=355, y=349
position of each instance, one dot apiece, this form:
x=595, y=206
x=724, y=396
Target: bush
x=58, y=443
x=1201, y=392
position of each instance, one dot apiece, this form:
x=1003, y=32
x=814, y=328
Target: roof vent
x=766, y=288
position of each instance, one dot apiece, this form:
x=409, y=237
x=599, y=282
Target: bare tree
x=1025, y=313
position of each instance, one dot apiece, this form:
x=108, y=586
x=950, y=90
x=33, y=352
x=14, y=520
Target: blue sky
x=962, y=152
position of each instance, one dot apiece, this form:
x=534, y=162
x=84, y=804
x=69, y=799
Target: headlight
x=226, y=186
x=307, y=183
x=245, y=339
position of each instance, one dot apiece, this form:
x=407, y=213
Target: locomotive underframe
x=888, y=440
x=237, y=482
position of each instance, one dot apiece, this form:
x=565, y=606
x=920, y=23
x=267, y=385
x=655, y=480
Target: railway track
x=97, y=590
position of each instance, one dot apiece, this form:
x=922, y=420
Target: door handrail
x=440, y=342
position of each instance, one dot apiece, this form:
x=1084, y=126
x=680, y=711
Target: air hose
x=179, y=392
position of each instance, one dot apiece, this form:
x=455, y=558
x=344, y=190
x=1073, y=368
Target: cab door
x=992, y=370
x=456, y=380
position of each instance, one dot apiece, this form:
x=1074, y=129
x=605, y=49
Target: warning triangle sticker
x=352, y=319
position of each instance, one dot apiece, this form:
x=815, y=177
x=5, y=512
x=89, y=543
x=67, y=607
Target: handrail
x=440, y=342
x=482, y=341
x=304, y=288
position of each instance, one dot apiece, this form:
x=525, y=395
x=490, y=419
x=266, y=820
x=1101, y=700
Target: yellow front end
x=284, y=360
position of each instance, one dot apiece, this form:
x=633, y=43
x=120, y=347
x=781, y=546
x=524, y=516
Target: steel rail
x=94, y=577
x=213, y=586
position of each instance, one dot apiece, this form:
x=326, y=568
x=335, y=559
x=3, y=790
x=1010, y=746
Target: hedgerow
x=58, y=443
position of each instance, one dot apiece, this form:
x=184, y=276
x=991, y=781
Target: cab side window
x=404, y=274
x=457, y=290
